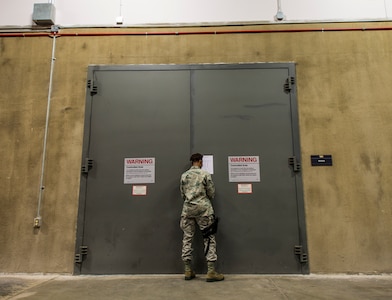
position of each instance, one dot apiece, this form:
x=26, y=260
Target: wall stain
x=66, y=109
x=2, y=46
x=374, y=165
x=380, y=191
x=365, y=159
x=189, y=54
x=343, y=102
x=6, y=61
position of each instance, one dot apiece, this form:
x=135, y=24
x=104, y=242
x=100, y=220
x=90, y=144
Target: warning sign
x=139, y=170
x=244, y=169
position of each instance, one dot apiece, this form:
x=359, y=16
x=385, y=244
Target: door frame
x=90, y=92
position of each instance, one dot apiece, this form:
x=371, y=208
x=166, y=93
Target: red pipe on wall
x=57, y=34
x=25, y=34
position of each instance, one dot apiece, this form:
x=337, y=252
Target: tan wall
x=344, y=97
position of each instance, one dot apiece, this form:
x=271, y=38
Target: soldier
x=197, y=191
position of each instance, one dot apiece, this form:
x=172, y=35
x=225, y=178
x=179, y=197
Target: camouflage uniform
x=197, y=191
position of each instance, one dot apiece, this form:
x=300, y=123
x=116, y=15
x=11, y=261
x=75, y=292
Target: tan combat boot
x=213, y=275
x=189, y=274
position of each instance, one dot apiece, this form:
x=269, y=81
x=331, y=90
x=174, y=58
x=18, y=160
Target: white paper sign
x=244, y=168
x=139, y=190
x=208, y=163
x=139, y=170
x=244, y=188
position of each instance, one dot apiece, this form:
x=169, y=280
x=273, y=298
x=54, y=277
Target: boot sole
x=213, y=279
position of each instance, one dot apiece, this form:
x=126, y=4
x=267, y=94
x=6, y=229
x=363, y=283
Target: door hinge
x=88, y=165
x=288, y=86
x=80, y=257
x=92, y=87
x=303, y=256
x=295, y=164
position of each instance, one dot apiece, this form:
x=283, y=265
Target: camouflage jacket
x=197, y=191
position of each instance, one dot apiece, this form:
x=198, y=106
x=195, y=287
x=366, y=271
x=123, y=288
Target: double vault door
x=167, y=113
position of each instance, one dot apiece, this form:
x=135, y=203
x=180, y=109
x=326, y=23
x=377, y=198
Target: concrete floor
x=60, y=287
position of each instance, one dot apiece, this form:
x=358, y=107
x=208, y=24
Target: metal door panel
x=246, y=112
x=130, y=119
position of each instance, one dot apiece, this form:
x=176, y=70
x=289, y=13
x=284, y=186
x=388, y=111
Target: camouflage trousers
x=188, y=226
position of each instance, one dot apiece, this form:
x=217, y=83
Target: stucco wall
x=344, y=92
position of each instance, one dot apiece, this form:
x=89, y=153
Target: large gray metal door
x=168, y=112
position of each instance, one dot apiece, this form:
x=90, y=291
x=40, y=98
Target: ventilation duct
x=44, y=14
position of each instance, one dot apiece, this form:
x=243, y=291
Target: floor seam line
x=30, y=287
